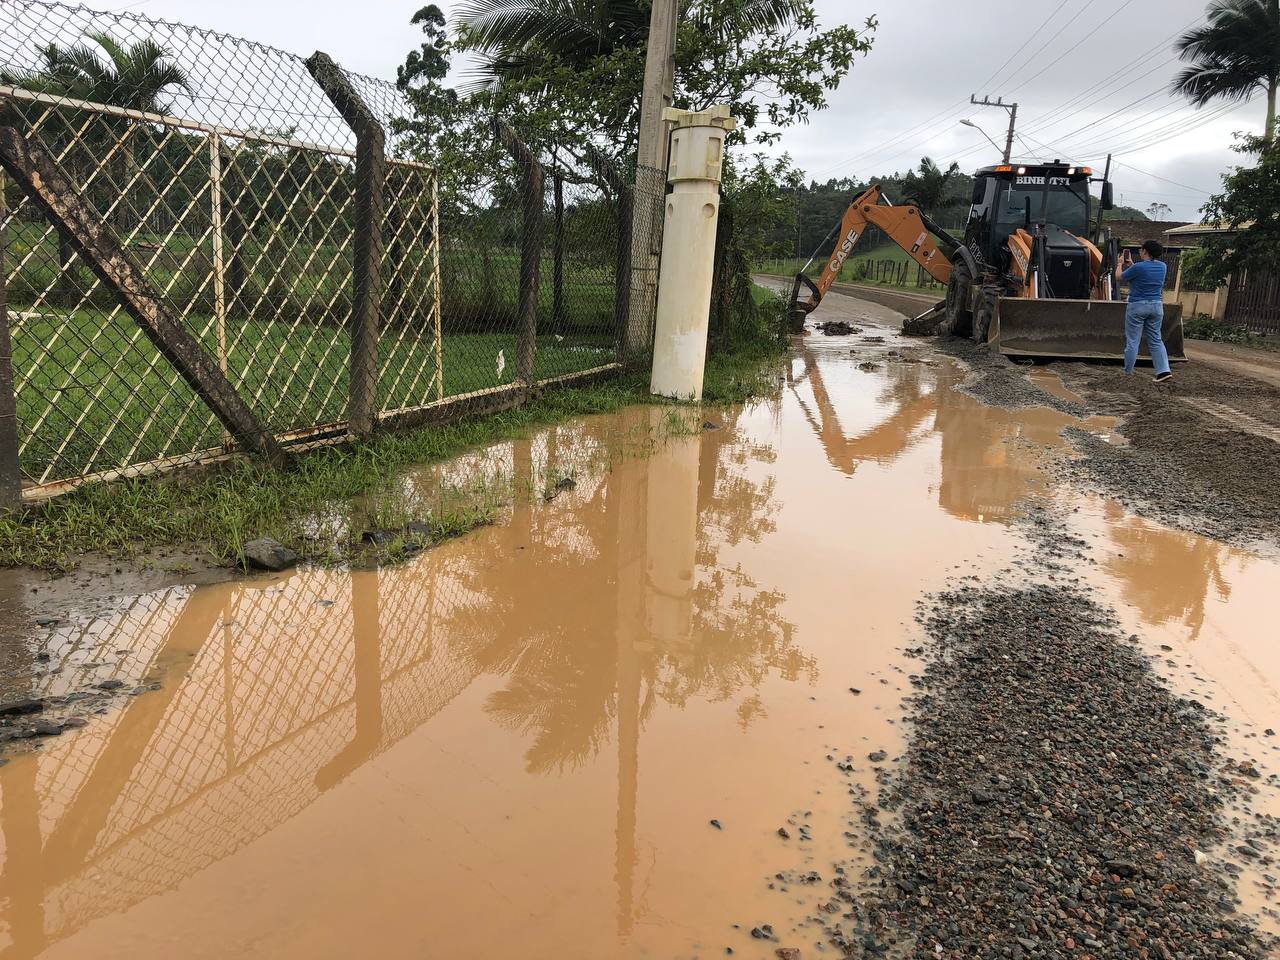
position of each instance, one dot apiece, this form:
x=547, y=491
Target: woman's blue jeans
x=1144, y=317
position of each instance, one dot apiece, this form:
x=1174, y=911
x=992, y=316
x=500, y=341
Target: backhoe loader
x=1026, y=279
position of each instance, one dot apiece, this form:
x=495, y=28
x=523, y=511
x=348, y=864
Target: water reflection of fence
x=296, y=684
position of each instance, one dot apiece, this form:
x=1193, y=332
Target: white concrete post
x=688, y=251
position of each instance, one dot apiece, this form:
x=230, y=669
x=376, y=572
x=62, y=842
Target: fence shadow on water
x=213, y=245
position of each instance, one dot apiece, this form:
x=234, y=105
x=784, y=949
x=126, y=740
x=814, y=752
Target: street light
x=970, y=123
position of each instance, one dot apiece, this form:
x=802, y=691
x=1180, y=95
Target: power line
x=1073, y=105
x=1043, y=46
x=1145, y=173
x=1044, y=23
x=1088, y=36
x=952, y=110
x=1156, y=176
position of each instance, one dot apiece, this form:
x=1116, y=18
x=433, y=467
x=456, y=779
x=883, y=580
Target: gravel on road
x=1055, y=800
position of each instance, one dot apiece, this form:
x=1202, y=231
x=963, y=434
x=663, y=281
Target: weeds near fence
x=328, y=497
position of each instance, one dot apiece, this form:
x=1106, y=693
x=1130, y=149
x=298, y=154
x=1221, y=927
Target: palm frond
x=750, y=16
x=1202, y=84
x=1236, y=49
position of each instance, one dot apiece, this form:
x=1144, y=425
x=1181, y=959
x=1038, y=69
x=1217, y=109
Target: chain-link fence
x=212, y=245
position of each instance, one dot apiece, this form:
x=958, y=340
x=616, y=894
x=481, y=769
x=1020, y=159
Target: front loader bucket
x=1079, y=329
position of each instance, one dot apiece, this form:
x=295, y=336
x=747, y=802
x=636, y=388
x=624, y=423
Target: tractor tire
x=984, y=314
x=958, y=321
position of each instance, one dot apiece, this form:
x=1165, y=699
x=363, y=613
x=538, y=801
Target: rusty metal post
x=370, y=204
x=10, y=466
x=624, y=211
x=557, y=257
x=532, y=193
x=437, y=306
x=105, y=254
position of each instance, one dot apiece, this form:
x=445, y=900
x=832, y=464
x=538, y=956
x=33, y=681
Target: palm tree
x=513, y=36
x=930, y=187
x=1235, y=54
x=134, y=77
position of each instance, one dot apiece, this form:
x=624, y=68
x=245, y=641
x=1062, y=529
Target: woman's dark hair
x=1154, y=248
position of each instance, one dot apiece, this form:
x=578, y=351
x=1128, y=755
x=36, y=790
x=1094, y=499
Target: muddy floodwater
x=515, y=745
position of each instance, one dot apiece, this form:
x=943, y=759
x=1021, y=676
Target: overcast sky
x=1094, y=78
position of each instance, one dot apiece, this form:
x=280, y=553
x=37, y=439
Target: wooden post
x=532, y=193
x=103, y=252
x=370, y=203
x=651, y=175
x=10, y=466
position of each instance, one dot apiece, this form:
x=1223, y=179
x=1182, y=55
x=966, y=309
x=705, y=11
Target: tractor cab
x=1051, y=196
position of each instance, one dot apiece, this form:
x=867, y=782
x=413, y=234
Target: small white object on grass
x=502, y=363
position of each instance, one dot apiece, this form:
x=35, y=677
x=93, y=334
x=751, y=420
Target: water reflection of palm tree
x=700, y=635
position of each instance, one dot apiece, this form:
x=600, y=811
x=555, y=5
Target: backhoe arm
x=904, y=225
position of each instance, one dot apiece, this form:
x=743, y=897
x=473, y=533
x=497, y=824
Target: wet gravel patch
x=1055, y=800
x=1159, y=483
x=998, y=382
x=1183, y=467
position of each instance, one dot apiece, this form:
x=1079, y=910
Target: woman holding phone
x=1145, y=313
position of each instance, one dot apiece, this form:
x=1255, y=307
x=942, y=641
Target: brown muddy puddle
x=514, y=745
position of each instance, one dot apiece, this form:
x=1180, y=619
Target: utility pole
x=651, y=175
x=1013, y=118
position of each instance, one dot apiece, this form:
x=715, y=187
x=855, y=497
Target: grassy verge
x=877, y=268
x=322, y=503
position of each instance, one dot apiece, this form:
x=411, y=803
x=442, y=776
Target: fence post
x=532, y=192
x=557, y=256
x=437, y=307
x=622, y=192
x=10, y=467
x=366, y=298
x=219, y=261
x=99, y=247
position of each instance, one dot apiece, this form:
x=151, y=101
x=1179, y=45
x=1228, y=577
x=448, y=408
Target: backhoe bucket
x=1078, y=329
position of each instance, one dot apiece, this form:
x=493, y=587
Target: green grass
x=300, y=379
x=93, y=393
x=324, y=499
x=852, y=271
x=1204, y=327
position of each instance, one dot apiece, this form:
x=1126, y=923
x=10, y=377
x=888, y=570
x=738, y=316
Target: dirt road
x=872, y=667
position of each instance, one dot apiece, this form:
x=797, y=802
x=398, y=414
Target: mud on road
x=1203, y=451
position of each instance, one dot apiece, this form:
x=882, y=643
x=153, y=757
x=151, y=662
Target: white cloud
x=929, y=56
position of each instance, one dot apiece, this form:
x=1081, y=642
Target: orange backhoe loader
x=1025, y=279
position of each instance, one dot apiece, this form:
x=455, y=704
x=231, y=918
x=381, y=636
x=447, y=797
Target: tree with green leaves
x=1247, y=207
x=1234, y=55
x=103, y=70
x=931, y=188
x=574, y=68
